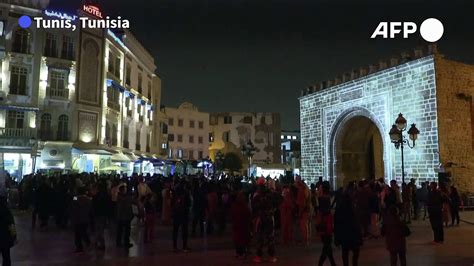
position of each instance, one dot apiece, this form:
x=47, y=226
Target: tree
x=232, y=162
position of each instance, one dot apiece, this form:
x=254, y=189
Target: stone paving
x=55, y=247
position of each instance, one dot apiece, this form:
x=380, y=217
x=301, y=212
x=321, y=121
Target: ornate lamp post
x=397, y=138
x=248, y=150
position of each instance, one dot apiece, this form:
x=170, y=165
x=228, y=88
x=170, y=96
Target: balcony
x=138, y=147
x=126, y=144
x=113, y=105
x=17, y=132
x=62, y=94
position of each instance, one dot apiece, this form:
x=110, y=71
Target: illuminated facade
x=345, y=122
x=80, y=100
x=188, y=132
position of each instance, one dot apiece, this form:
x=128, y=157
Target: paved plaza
x=55, y=247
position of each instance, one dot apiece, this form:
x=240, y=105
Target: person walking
x=303, y=203
x=455, y=201
x=7, y=231
x=101, y=211
x=180, y=203
x=199, y=207
x=422, y=196
x=287, y=208
x=263, y=208
x=124, y=218
x=80, y=216
x=166, y=204
x=150, y=218
x=347, y=230
x=241, y=225
x=325, y=227
x=394, y=231
x=435, y=206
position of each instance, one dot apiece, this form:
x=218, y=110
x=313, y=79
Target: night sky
x=239, y=55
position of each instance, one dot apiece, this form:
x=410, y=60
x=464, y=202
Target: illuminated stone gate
x=345, y=122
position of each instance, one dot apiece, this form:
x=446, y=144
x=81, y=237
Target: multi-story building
x=230, y=131
x=291, y=149
x=188, y=132
x=83, y=100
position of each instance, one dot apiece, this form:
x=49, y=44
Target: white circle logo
x=431, y=30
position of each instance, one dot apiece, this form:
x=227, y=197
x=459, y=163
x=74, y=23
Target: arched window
x=63, y=122
x=21, y=41
x=45, y=126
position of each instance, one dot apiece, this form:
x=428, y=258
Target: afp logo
x=431, y=30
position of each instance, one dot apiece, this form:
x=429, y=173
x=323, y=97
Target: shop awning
x=93, y=149
x=120, y=157
x=114, y=84
x=132, y=157
x=19, y=108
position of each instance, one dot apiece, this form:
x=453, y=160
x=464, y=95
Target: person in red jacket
x=241, y=225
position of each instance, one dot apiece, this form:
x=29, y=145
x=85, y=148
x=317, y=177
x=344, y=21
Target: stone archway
x=356, y=148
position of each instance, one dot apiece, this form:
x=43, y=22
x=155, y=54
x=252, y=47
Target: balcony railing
x=138, y=147
x=58, y=93
x=113, y=105
x=17, y=132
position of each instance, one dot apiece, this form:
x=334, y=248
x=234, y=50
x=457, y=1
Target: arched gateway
x=345, y=122
x=356, y=149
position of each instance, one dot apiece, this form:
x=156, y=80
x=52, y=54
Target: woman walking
x=394, y=231
x=455, y=202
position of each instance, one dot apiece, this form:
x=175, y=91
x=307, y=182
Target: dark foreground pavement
x=55, y=247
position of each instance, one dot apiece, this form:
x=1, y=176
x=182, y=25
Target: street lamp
x=397, y=138
x=248, y=150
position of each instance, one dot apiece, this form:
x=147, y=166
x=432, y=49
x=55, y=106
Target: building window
x=164, y=145
x=114, y=64
x=191, y=123
x=170, y=121
x=51, y=45
x=227, y=119
x=294, y=137
x=170, y=137
x=164, y=128
x=137, y=140
x=63, y=127
x=191, y=139
x=57, y=84
x=282, y=137
x=211, y=137
x=263, y=120
x=128, y=75
x=200, y=139
x=201, y=124
x=248, y=120
x=200, y=155
x=113, y=98
x=170, y=153
x=45, y=126
x=149, y=90
x=126, y=143
x=226, y=136
x=21, y=41
x=213, y=120
x=288, y=137
x=15, y=119
x=180, y=138
x=140, y=85
x=191, y=154
x=180, y=153
x=180, y=122
x=68, y=48
x=18, y=80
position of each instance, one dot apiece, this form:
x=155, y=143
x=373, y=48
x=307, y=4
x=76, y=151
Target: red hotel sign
x=93, y=10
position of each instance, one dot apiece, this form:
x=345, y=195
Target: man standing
x=303, y=203
x=180, y=203
x=435, y=206
x=124, y=218
x=81, y=213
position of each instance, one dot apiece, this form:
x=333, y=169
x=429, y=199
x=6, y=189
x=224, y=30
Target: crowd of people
x=262, y=211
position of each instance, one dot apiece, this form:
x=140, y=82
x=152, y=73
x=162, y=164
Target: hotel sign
x=93, y=10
